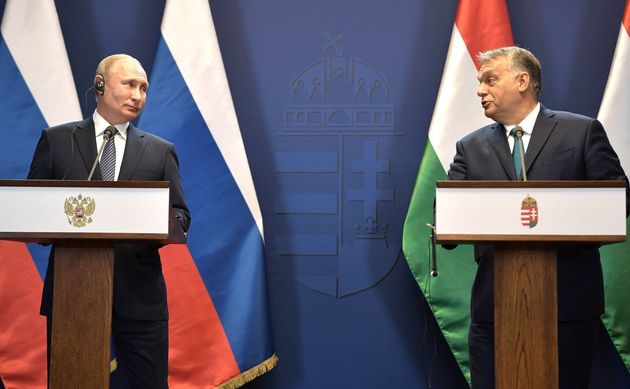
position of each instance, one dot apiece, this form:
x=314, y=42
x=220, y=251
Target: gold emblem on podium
x=529, y=212
x=79, y=210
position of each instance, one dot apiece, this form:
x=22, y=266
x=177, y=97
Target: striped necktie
x=108, y=159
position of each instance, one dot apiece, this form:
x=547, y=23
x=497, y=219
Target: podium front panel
x=515, y=211
x=84, y=210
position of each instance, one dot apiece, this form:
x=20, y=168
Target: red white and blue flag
x=220, y=333
x=216, y=283
x=41, y=95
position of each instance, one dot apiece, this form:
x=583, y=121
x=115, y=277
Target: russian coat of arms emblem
x=79, y=210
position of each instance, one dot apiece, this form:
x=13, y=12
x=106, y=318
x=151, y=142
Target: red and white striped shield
x=529, y=212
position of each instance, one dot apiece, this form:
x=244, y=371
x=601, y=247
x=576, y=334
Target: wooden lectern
x=84, y=219
x=525, y=221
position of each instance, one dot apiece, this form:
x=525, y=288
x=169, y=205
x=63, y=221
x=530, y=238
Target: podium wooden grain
x=525, y=278
x=81, y=342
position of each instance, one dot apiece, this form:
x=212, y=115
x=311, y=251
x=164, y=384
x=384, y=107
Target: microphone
x=434, y=271
x=107, y=134
x=518, y=132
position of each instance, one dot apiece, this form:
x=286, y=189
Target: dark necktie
x=517, y=133
x=108, y=160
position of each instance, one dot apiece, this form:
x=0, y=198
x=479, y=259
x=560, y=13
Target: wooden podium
x=525, y=221
x=84, y=219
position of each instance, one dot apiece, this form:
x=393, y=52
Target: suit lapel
x=543, y=128
x=134, y=148
x=498, y=142
x=86, y=143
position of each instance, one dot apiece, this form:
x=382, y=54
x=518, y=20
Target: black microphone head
x=109, y=132
x=518, y=132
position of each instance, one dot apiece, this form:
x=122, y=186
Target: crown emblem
x=370, y=228
x=529, y=212
x=79, y=210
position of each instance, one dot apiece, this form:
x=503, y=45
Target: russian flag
x=217, y=291
x=34, y=67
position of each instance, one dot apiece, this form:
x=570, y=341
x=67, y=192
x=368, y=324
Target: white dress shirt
x=527, y=125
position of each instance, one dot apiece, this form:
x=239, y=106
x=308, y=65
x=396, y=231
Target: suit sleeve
x=601, y=160
x=41, y=165
x=178, y=203
x=458, y=170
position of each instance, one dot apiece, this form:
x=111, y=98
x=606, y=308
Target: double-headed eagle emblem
x=79, y=210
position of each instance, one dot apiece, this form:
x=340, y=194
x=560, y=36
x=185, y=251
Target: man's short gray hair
x=519, y=59
x=109, y=61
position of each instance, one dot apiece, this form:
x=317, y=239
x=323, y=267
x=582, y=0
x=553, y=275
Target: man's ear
x=99, y=84
x=523, y=82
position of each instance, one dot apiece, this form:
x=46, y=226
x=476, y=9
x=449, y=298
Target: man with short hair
x=140, y=314
x=558, y=146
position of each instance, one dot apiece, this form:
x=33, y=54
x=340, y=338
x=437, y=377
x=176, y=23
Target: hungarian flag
x=219, y=327
x=457, y=112
x=615, y=117
x=35, y=74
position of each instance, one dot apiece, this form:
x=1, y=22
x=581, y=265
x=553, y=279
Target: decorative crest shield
x=336, y=168
x=79, y=210
x=529, y=212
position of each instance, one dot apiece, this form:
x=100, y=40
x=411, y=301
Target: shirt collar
x=526, y=124
x=100, y=124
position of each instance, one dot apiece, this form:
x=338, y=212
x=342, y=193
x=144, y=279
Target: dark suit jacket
x=68, y=152
x=563, y=146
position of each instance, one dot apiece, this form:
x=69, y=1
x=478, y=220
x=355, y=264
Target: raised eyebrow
x=485, y=76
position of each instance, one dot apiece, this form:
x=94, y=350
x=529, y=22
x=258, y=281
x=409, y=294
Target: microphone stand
x=107, y=134
x=433, y=271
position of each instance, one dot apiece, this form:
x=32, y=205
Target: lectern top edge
x=531, y=184
x=84, y=184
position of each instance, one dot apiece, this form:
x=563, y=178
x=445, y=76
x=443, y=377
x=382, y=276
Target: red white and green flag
x=457, y=112
x=615, y=116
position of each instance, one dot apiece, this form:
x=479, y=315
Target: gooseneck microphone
x=518, y=132
x=107, y=135
x=433, y=270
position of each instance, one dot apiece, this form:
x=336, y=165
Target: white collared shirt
x=527, y=125
x=120, y=139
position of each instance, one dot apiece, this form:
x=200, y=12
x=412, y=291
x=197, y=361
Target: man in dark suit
x=558, y=146
x=68, y=151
